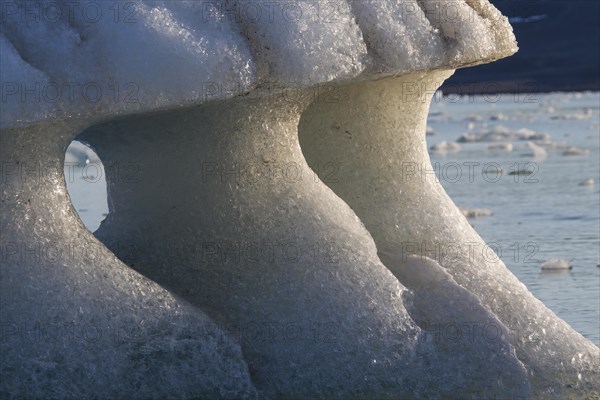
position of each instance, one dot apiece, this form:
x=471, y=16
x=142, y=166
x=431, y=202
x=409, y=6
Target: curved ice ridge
x=256, y=280
x=93, y=59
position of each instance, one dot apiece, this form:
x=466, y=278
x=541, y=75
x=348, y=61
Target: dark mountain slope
x=559, y=50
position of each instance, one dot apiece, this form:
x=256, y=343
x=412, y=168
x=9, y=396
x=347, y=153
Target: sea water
x=544, y=213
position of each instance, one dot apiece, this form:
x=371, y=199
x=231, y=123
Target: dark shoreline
x=522, y=88
x=559, y=51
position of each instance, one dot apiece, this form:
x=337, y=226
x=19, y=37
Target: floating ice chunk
x=555, y=264
x=535, y=151
x=498, y=117
x=519, y=172
x=575, y=151
x=577, y=116
x=525, y=134
x=171, y=53
x=496, y=134
x=500, y=147
x=500, y=133
x=547, y=144
x=439, y=116
x=445, y=147
x=500, y=129
x=474, y=118
x=476, y=212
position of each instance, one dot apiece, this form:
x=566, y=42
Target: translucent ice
x=78, y=323
x=225, y=212
x=302, y=42
x=249, y=235
x=385, y=175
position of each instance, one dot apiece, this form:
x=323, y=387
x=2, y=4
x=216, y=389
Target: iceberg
x=273, y=238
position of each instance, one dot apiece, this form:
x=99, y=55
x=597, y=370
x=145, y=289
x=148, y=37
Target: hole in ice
x=86, y=182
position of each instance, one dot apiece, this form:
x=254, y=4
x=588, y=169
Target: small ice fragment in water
x=476, y=212
x=445, y=147
x=500, y=147
x=535, y=151
x=575, y=151
x=556, y=264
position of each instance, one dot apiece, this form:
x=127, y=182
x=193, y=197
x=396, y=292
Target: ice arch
x=326, y=320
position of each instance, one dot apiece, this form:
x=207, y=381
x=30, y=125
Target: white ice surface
x=108, y=58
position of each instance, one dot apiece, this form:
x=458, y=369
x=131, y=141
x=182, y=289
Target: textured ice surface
x=399, y=34
x=15, y=72
x=456, y=321
x=98, y=59
x=411, y=35
x=225, y=212
x=76, y=322
x=149, y=55
x=248, y=234
x=302, y=42
x=386, y=176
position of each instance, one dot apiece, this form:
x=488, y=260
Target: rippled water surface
x=546, y=214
